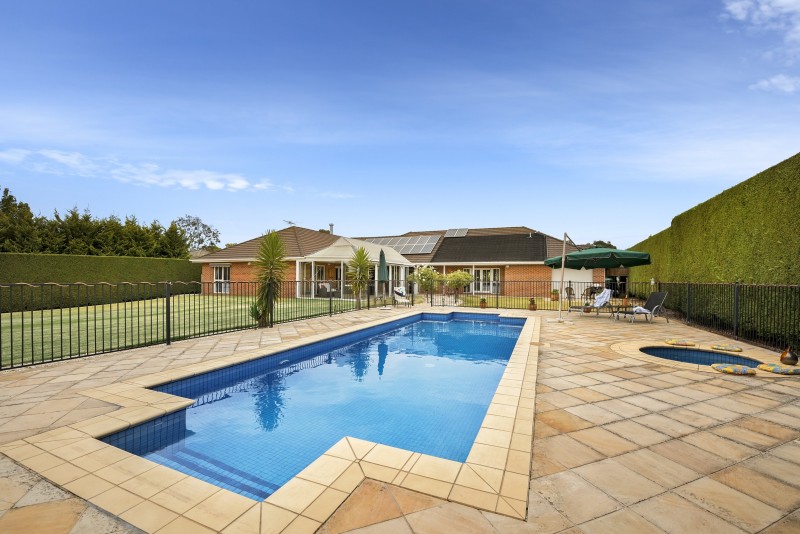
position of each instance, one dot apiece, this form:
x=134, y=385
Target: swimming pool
x=698, y=356
x=422, y=383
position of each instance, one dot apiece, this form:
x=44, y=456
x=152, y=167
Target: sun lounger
x=654, y=307
x=399, y=295
x=601, y=302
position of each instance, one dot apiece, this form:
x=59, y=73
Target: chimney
x=330, y=225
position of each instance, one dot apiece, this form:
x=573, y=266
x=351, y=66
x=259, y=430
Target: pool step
x=212, y=470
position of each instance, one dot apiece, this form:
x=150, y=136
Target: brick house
x=316, y=260
x=510, y=255
x=235, y=263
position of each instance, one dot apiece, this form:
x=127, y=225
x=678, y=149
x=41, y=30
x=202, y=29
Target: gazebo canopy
x=342, y=251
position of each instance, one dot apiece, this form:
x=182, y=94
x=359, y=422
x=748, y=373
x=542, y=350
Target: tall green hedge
x=67, y=269
x=749, y=233
x=130, y=279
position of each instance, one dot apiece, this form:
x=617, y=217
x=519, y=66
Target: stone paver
x=620, y=443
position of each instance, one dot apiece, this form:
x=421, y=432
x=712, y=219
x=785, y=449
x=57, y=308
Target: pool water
x=699, y=356
x=422, y=386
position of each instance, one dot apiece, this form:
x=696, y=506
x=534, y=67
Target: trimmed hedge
x=109, y=279
x=68, y=269
x=749, y=233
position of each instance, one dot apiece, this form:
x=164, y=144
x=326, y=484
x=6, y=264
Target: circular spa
x=698, y=356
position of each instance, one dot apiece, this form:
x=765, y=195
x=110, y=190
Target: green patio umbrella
x=383, y=273
x=597, y=258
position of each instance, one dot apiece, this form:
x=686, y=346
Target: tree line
x=77, y=232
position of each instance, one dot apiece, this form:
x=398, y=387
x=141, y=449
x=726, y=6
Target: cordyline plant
x=358, y=273
x=270, y=268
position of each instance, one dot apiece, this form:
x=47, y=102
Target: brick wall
x=527, y=280
x=246, y=272
x=599, y=276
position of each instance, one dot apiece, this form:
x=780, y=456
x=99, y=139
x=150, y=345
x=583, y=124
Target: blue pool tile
x=422, y=383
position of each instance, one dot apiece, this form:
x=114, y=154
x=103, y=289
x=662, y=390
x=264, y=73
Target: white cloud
x=14, y=155
x=779, y=84
x=63, y=163
x=782, y=16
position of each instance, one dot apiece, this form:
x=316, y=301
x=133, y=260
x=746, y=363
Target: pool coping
x=495, y=477
x=632, y=349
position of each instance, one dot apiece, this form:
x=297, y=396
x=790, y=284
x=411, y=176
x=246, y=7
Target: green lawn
x=46, y=335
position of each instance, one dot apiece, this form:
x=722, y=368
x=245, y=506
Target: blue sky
x=601, y=119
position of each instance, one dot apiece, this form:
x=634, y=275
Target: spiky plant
x=358, y=273
x=270, y=268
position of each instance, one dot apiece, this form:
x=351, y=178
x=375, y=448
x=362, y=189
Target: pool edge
x=495, y=476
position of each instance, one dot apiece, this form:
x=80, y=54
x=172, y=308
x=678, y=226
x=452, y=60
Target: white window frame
x=222, y=278
x=486, y=279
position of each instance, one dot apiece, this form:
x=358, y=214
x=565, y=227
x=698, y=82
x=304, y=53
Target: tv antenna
x=290, y=223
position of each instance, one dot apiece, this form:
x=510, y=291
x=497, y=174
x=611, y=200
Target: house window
x=320, y=272
x=222, y=279
x=487, y=280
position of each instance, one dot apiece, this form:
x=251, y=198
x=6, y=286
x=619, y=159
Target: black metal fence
x=766, y=315
x=41, y=323
x=760, y=314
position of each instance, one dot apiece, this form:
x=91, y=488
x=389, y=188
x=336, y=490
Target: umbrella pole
x=561, y=285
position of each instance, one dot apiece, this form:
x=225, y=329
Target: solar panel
x=456, y=232
x=415, y=244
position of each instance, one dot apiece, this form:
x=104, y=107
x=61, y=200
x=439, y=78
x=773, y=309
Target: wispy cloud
x=780, y=83
x=63, y=163
x=782, y=16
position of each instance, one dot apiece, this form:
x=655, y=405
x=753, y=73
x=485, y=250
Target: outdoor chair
x=324, y=291
x=569, y=293
x=654, y=307
x=588, y=293
x=399, y=295
x=601, y=302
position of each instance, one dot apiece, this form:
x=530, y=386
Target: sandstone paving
x=620, y=443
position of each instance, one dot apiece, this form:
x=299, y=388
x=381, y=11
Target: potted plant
x=554, y=295
x=532, y=304
x=483, y=303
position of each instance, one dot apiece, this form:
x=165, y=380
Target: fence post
x=736, y=310
x=688, y=302
x=330, y=302
x=167, y=324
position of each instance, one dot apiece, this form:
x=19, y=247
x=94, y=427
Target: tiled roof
x=298, y=241
x=554, y=247
x=552, y=244
x=521, y=247
x=508, y=243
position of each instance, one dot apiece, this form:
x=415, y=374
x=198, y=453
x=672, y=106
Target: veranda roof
x=342, y=251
